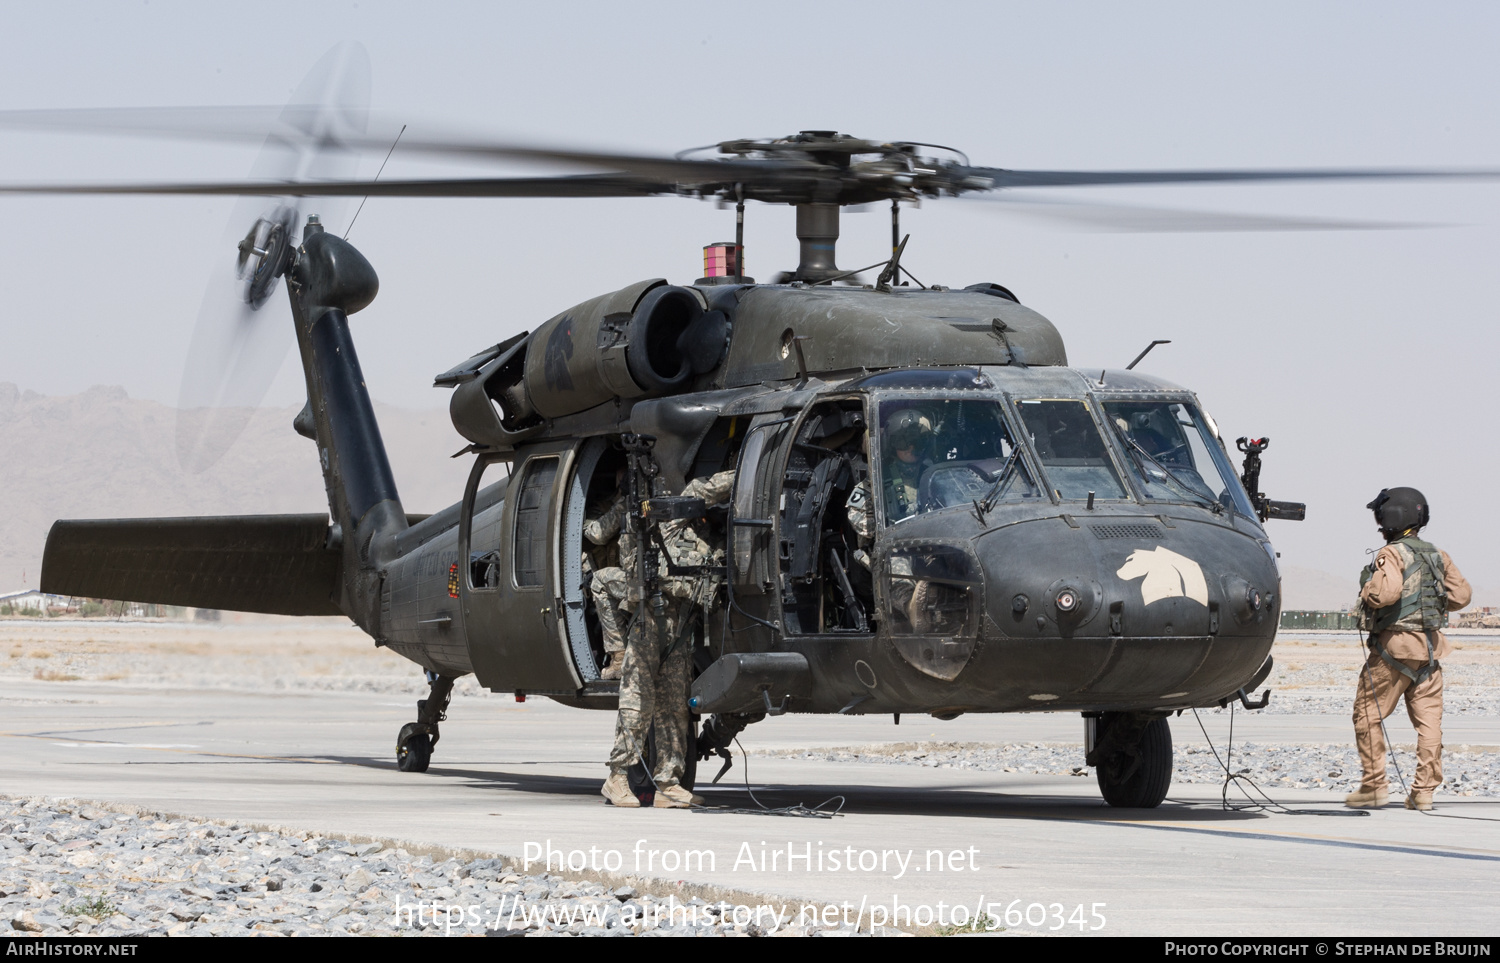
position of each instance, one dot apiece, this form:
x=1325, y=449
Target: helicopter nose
x=1125, y=610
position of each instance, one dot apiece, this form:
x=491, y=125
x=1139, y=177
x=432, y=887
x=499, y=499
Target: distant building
x=1319, y=620
x=33, y=602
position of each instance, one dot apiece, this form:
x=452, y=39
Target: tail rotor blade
x=241, y=337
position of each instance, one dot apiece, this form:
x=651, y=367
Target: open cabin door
x=823, y=527
x=511, y=575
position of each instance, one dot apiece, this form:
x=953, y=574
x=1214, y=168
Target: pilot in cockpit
x=906, y=453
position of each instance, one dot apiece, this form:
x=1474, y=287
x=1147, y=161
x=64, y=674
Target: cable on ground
x=1240, y=781
x=800, y=809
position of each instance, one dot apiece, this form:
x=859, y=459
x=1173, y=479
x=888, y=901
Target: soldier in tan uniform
x=1404, y=601
x=658, y=661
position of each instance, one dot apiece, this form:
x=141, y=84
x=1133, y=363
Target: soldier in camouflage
x=610, y=584
x=906, y=448
x=658, y=661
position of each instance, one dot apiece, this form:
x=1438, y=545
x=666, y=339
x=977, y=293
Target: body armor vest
x=1422, y=608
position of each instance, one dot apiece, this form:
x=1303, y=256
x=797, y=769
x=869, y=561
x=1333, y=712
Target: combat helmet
x=1398, y=510
x=908, y=428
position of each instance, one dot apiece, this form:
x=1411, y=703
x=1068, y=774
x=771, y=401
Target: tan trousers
x=1380, y=687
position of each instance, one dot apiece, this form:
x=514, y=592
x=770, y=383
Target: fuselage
x=1065, y=540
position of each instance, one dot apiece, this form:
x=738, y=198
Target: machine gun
x=640, y=474
x=1265, y=507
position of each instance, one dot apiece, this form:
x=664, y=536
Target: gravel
x=85, y=870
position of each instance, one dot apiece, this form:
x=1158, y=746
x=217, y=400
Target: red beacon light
x=723, y=263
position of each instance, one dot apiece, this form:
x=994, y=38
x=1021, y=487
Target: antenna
x=375, y=178
x=1141, y=355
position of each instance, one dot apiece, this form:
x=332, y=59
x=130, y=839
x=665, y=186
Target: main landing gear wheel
x=413, y=749
x=1133, y=760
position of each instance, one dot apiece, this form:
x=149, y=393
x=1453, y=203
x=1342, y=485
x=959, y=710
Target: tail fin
x=328, y=281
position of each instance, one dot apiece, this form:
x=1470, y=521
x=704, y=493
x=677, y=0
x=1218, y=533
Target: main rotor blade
x=250, y=123
x=241, y=123
x=1137, y=219
x=1002, y=178
x=585, y=185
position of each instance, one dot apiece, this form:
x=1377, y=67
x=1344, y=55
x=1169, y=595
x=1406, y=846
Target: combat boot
x=1367, y=799
x=613, y=666
x=1419, y=799
x=617, y=790
x=675, y=797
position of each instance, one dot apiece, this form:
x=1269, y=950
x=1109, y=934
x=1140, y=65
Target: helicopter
x=1054, y=539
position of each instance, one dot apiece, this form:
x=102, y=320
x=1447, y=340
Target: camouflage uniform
x=658, y=651
x=610, y=585
x=654, y=689
x=907, y=597
x=684, y=547
x=901, y=488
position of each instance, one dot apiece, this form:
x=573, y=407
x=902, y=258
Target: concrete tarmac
x=518, y=779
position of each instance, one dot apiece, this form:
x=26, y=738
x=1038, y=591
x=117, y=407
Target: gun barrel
x=1291, y=511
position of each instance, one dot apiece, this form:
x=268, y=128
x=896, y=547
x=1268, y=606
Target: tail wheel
x=413, y=750
x=1138, y=776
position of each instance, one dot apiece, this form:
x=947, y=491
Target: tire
x=1139, y=781
x=414, y=752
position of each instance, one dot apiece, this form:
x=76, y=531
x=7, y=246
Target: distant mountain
x=103, y=454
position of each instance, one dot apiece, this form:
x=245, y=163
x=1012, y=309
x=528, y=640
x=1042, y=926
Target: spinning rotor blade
x=783, y=184
x=809, y=167
x=252, y=122
x=1002, y=178
x=1134, y=219
x=240, y=341
x=580, y=185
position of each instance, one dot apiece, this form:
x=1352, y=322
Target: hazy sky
x=1367, y=357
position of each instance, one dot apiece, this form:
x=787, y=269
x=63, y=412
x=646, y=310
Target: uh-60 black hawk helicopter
x=1044, y=538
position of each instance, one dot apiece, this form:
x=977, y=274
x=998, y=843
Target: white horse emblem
x=1168, y=575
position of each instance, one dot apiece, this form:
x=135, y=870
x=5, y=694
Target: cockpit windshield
x=940, y=453
x=1073, y=453
x=1172, y=454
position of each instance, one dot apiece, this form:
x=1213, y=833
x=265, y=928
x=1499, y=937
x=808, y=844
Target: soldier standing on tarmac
x=1404, y=600
x=658, y=661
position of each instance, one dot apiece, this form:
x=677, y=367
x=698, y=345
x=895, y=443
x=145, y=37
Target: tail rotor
x=235, y=353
